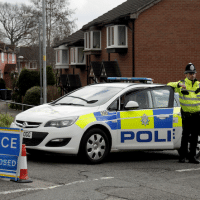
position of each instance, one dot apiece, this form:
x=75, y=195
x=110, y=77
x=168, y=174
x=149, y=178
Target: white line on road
x=187, y=170
x=52, y=187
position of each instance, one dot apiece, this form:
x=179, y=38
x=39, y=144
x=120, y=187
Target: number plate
x=27, y=134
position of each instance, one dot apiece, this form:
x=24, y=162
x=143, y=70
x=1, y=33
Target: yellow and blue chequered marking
x=133, y=119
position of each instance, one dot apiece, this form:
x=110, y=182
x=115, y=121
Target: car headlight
x=60, y=123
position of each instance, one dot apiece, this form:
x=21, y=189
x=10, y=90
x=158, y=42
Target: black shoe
x=181, y=160
x=194, y=160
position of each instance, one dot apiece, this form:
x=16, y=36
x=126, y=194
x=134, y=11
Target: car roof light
x=130, y=79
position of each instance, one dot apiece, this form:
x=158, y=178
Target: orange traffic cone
x=23, y=178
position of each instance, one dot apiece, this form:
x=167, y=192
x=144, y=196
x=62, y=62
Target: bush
x=27, y=80
x=6, y=120
x=32, y=96
x=2, y=84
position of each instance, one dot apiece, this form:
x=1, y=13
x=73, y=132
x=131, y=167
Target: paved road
x=131, y=175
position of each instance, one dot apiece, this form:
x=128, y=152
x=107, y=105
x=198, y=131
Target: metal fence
x=10, y=102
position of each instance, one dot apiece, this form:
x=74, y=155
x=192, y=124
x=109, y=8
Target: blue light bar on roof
x=129, y=79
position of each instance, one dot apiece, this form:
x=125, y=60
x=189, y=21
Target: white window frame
x=13, y=57
x=2, y=57
x=74, y=56
x=33, y=64
x=89, y=42
x=115, y=43
x=61, y=64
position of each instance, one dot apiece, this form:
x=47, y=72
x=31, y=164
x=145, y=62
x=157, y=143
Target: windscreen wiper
x=67, y=104
x=92, y=101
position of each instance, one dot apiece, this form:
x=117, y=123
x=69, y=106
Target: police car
x=99, y=118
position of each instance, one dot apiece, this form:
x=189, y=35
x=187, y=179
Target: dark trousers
x=191, y=130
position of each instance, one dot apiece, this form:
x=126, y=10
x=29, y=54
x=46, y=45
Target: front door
x=151, y=125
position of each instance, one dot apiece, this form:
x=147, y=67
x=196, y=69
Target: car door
x=177, y=122
x=151, y=125
x=163, y=111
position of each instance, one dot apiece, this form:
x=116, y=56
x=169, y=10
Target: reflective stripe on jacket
x=191, y=102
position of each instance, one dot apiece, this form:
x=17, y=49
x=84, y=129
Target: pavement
x=4, y=108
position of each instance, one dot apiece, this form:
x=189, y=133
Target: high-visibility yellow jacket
x=191, y=102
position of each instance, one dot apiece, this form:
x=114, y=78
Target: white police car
x=99, y=118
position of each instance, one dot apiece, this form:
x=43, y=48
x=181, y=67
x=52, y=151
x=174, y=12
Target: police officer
x=189, y=97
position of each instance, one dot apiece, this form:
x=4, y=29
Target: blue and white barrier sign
x=10, y=151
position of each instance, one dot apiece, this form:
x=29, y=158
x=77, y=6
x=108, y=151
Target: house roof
x=123, y=10
x=7, y=47
x=31, y=53
x=73, y=38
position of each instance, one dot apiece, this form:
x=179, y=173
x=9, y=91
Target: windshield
x=89, y=96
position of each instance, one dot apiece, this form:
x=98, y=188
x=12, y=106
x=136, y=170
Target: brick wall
x=167, y=38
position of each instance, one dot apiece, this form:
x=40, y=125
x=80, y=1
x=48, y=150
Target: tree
x=15, y=26
x=28, y=79
x=2, y=36
x=58, y=19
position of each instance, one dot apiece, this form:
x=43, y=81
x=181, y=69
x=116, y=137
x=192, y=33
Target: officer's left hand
x=197, y=91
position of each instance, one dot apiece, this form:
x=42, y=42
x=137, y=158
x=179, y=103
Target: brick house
x=7, y=62
x=144, y=38
x=30, y=58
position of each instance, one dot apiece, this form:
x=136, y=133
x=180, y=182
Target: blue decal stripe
x=112, y=125
x=100, y=117
x=7, y=171
x=163, y=123
x=108, y=119
x=163, y=111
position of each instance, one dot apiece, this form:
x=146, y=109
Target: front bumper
x=42, y=139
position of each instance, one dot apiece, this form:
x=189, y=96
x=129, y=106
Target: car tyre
x=94, y=147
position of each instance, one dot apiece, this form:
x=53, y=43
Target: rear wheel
x=94, y=146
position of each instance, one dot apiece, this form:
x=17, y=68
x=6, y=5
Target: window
x=13, y=57
x=143, y=98
x=176, y=100
x=92, y=40
x=62, y=57
x=80, y=55
x=161, y=98
x=114, y=106
x=2, y=57
x=121, y=35
x=72, y=55
x=77, y=55
x=117, y=36
x=96, y=40
x=32, y=65
x=65, y=57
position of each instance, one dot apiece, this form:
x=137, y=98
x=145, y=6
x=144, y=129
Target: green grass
x=6, y=120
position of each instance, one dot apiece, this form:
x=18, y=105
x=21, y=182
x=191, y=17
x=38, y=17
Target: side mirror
x=131, y=105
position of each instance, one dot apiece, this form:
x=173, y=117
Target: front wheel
x=94, y=146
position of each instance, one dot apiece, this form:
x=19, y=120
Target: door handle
x=163, y=116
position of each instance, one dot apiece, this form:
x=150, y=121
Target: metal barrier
x=10, y=102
